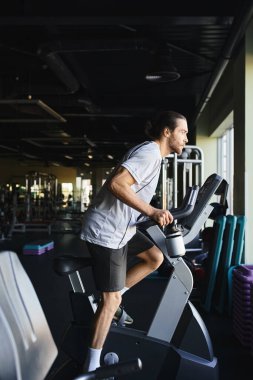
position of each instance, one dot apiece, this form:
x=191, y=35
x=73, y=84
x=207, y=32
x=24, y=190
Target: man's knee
x=154, y=257
x=158, y=257
x=112, y=298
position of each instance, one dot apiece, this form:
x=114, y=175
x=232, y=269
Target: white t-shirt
x=110, y=222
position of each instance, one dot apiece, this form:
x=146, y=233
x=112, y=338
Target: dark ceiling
x=72, y=74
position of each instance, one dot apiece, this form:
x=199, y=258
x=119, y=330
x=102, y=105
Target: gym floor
x=235, y=361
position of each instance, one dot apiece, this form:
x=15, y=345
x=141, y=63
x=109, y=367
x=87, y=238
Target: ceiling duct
x=28, y=111
x=57, y=65
x=238, y=29
x=95, y=46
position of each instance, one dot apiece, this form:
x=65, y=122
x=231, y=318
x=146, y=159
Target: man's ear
x=166, y=132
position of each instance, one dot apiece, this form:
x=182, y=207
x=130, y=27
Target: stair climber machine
x=177, y=345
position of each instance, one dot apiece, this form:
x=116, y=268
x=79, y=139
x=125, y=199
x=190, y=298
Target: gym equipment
x=8, y=211
x=193, y=223
x=236, y=255
x=41, y=192
x=238, y=240
x=177, y=345
x=226, y=245
x=221, y=286
x=243, y=305
x=179, y=172
x=211, y=267
x=38, y=247
x=27, y=349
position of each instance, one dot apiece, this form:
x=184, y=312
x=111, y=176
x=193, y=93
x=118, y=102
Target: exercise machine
x=177, y=345
x=27, y=349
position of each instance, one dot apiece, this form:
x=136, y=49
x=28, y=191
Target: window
x=67, y=189
x=226, y=162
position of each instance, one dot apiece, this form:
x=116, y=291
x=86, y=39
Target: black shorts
x=110, y=265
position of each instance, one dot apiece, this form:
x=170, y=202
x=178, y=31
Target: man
x=109, y=225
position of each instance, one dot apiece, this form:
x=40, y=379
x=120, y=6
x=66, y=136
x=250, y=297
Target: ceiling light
x=69, y=157
x=110, y=156
x=163, y=70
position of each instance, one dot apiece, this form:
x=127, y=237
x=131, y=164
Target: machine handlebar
x=179, y=212
x=187, y=205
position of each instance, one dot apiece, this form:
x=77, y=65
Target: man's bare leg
x=150, y=261
x=108, y=305
x=110, y=301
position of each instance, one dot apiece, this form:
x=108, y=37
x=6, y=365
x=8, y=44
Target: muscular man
x=109, y=225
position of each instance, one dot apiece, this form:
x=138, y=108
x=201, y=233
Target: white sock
x=123, y=290
x=92, y=360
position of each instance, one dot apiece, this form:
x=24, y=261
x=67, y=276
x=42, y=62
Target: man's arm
x=120, y=185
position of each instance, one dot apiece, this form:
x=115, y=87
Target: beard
x=176, y=148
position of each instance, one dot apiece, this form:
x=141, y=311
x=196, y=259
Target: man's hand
x=162, y=217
